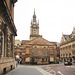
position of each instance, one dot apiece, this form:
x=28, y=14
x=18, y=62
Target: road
x=28, y=70
x=60, y=69
x=52, y=69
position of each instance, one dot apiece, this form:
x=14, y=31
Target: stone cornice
x=7, y=15
x=35, y=36
x=66, y=42
x=6, y=59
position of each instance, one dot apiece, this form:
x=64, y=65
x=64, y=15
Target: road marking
x=53, y=72
x=60, y=73
x=67, y=66
x=44, y=72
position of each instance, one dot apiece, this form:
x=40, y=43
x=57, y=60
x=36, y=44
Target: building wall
x=34, y=29
x=6, y=63
x=7, y=37
x=67, y=47
x=10, y=4
x=29, y=52
x=68, y=51
x=17, y=42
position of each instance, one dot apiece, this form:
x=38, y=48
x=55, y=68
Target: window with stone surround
x=73, y=46
x=44, y=51
x=35, y=51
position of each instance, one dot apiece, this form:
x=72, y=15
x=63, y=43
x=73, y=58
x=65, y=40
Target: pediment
x=39, y=41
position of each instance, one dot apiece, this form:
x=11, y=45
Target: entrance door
x=4, y=71
x=11, y=67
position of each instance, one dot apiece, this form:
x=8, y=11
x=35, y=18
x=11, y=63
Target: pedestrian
x=16, y=63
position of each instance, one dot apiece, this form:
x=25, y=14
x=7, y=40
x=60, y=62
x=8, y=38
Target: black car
x=67, y=63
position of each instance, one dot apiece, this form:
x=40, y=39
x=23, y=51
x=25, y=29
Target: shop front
x=40, y=59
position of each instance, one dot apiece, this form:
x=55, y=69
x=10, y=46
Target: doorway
x=4, y=71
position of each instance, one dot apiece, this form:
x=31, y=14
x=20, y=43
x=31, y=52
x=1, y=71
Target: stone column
x=13, y=43
x=0, y=37
x=8, y=42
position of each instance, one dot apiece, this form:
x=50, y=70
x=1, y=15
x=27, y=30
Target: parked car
x=67, y=63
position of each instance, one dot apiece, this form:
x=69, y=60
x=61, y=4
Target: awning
x=40, y=56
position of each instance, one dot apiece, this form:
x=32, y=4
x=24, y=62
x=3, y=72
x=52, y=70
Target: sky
x=55, y=17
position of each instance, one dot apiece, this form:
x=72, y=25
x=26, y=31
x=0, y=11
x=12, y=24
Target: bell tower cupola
x=34, y=29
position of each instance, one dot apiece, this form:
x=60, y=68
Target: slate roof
x=68, y=38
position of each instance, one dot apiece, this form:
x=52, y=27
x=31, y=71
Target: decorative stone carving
x=0, y=20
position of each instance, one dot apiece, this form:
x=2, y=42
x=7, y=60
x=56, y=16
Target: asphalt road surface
x=28, y=70
x=52, y=69
x=60, y=69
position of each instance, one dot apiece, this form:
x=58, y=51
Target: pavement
x=28, y=70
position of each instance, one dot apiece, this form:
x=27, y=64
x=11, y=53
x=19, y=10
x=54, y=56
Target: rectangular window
x=42, y=60
x=35, y=51
x=44, y=51
x=46, y=59
x=39, y=60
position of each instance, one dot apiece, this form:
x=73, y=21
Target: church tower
x=34, y=29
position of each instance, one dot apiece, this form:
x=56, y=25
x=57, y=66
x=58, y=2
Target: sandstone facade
x=7, y=35
x=39, y=51
x=67, y=47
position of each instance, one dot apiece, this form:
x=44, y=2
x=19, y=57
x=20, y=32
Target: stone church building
x=37, y=50
x=7, y=35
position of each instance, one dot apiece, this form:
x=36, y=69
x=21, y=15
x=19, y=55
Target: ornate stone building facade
x=67, y=47
x=7, y=35
x=38, y=50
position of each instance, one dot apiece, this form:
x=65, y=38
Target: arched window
x=2, y=43
x=35, y=51
x=44, y=51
